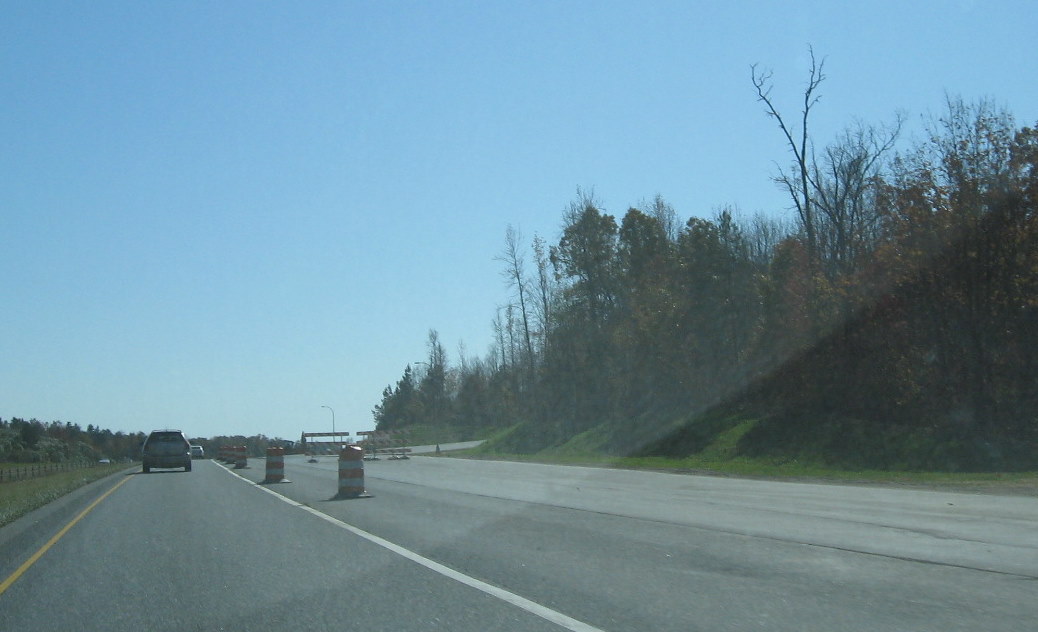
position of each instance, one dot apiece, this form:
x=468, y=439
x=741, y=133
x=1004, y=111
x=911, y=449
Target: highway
x=453, y=544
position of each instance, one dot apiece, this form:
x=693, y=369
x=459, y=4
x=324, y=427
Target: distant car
x=197, y=452
x=166, y=449
x=105, y=461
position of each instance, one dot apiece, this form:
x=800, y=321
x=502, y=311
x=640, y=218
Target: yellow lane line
x=46, y=547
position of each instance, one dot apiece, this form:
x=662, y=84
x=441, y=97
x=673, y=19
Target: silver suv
x=166, y=449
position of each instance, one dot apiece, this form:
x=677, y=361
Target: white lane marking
x=532, y=607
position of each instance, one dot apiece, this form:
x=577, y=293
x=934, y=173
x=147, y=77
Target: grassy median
x=20, y=497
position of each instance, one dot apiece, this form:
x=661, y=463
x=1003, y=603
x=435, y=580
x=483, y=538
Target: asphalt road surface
x=451, y=544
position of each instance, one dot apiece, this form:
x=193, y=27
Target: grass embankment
x=720, y=458
x=430, y=434
x=20, y=497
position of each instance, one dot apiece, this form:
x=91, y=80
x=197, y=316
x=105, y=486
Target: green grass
x=20, y=497
x=429, y=434
x=717, y=455
x=724, y=446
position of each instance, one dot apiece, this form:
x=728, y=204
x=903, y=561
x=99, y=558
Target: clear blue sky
x=220, y=216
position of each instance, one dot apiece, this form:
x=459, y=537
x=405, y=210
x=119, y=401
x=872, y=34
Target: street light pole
x=332, y=418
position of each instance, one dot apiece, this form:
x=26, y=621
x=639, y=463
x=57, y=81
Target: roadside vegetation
x=33, y=441
x=42, y=462
x=721, y=458
x=886, y=321
x=20, y=497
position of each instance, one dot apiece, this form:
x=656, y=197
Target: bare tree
x=798, y=183
x=515, y=274
x=842, y=180
x=665, y=214
x=498, y=357
x=763, y=235
x=545, y=288
x=463, y=363
x=510, y=332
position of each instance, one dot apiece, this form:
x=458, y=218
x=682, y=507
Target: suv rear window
x=166, y=437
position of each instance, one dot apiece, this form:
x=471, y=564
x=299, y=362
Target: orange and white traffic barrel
x=351, y=473
x=275, y=466
x=241, y=458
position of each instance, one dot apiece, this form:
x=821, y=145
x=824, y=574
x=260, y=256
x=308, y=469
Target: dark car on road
x=166, y=449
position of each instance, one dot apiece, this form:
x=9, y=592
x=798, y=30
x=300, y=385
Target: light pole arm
x=333, y=416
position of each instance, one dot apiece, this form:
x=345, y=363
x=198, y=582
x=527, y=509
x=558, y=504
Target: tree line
x=33, y=441
x=255, y=445
x=892, y=321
